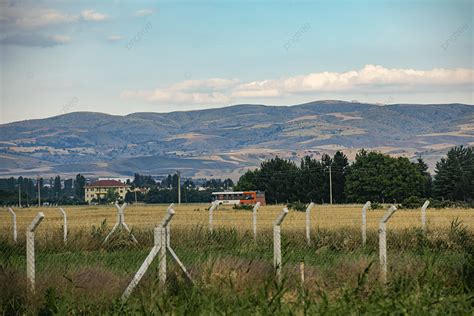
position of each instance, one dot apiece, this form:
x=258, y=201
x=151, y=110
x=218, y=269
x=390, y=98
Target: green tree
x=79, y=185
x=454, y=178
x=381, y=178
x=311, y=180
x=112, y=196
x=339, y=170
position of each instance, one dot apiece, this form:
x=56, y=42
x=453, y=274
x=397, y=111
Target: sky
x=121, y=57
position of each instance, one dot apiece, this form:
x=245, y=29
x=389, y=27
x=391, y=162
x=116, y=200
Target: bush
x=376, y=206
x=297, y=206
x=242, y=207
x=412, y=202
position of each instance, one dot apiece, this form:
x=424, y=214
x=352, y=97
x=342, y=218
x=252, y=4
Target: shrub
x=376, y=206
x=412, y=202
x=297, y=206
x=242, y=207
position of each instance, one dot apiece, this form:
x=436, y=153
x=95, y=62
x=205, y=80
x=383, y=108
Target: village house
x=99, y=189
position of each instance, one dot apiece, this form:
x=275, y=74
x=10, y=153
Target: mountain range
x=224, y=142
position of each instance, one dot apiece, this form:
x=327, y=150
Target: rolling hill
x=227, y=141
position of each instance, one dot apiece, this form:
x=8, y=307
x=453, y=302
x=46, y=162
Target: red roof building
x=99, y=189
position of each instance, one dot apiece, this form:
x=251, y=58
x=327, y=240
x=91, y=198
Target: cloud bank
x=369, y=79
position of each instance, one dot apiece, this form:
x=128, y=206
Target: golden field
x=192, y=215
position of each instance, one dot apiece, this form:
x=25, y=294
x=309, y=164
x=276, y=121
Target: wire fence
x=95, y=252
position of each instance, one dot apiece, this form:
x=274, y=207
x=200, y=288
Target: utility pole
x=330, y=185
x=39, y=191
x=135, y=195
x=179, y=187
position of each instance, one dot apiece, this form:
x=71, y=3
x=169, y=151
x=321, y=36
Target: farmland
x=428, y=273
x=192, y=215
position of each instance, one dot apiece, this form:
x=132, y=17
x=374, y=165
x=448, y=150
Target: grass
x=430, y=273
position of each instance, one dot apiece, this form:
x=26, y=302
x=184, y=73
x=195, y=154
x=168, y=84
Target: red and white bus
x=241, y=197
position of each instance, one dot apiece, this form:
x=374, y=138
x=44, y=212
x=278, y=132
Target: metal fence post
x=308, y=223
x=364, y=222
x=30, y=251
x=14, y=224
x=254, y=220
x=277, y=242
x=383, y=242
x=423, y=215
x=64, y=223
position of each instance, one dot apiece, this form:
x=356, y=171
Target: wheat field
x=192, y=215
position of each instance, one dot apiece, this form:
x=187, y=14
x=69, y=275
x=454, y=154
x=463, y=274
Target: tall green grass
x=430, y=273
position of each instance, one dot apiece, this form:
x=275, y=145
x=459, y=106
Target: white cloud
x=143, y=12
x=17, y=18
x=370, y=79
x=208, y=91
x=23, y=18
x=91, y=15
x=114, y=38
x=60, y=39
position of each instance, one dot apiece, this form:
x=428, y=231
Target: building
x=99, y=189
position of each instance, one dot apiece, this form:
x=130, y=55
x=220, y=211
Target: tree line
x=373, y=176
x=166, y=191
x=71, y=191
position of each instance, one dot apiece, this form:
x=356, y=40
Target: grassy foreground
x=233, y=274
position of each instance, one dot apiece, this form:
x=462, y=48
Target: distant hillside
x=227, y=141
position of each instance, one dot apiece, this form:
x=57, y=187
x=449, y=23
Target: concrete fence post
x=277, y=242
x=15, y=234
x=302, y=274
x=383, y=242
x=30, y=251
x=211, y=216
x=64, y=223
x=308, y=222
x=423, y=215
x=120, y=222
x=157, y=248
x=366, y=206
x=254, y=220
x=163, y=242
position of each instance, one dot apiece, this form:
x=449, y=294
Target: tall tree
x=79, y=185
x=339, y=169
x=454, y=178
x=311, y=180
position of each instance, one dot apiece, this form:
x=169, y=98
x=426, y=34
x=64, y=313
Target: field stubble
x=192, y=215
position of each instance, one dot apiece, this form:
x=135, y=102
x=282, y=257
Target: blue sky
x=121, y=57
